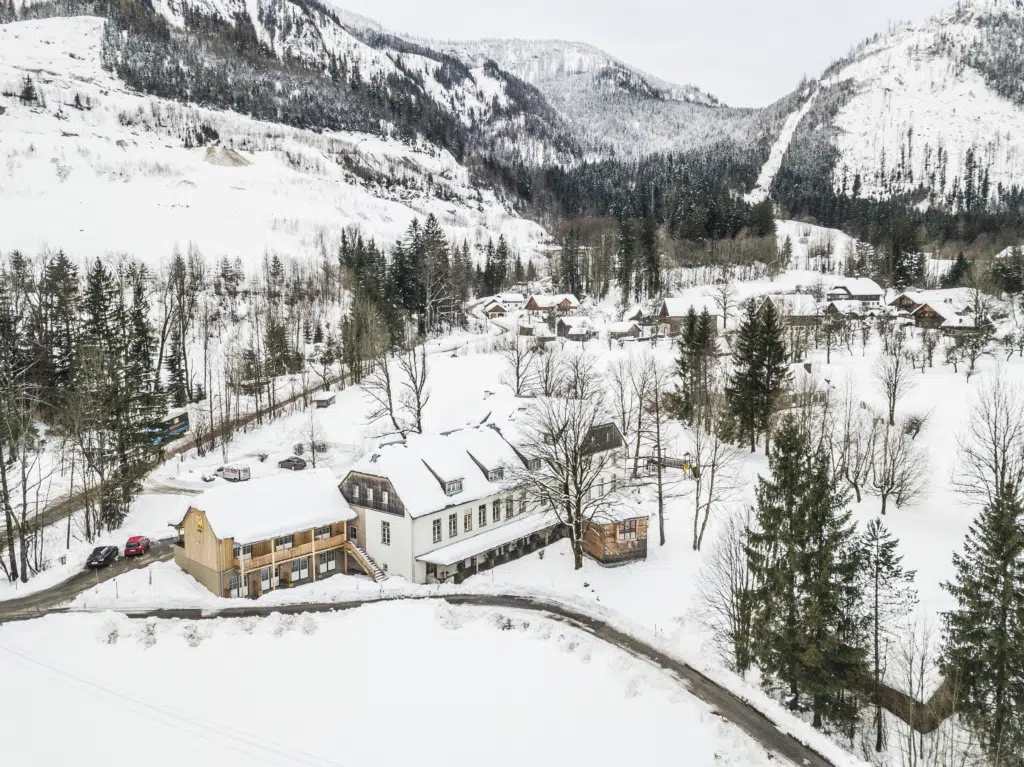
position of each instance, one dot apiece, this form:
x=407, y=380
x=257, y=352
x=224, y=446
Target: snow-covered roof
x=847, y=306
x=415, y=466
x=282, y=503
x=175, y=413
x=511, y=298
x=551, y=301
x=959, y=298
x=680, y=306
x=619, y=512
x=795, y=304
x=324, y=396
x=622, y=327
x=948, y=312
x=857, y=286
x=574, y=322
x=520, y=527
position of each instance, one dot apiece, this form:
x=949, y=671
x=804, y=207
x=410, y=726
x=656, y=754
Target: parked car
x=294, y=463
x=102, y=556
x=137, y=545
x=209, y=477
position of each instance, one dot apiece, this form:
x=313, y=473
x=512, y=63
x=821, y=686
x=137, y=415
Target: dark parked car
x=294, y=463
x=137, y=545
x=102, y=556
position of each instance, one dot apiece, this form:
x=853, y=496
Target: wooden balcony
x=295, y=552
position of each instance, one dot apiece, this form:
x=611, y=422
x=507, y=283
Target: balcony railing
x=295, y=552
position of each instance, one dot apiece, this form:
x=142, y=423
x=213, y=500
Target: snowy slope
x=908, y=107
x=118, y=176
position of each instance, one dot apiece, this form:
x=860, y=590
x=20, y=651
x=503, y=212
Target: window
x=322, y=532
x=353, y=532
x=385, y=533
x=509, y=508
x=453, y=525
x=431, y=570
x=467, y=521
x=284, y=542
x=355, y=492
x=242, y=552
x=495, y=475
x=496, y=516
x=627, y=530
x=533, y=464
x=481, y=515
x=328, y=561
x=453, y=487
x=369, y=495
x=436, y=525
x=384, y=497
x=300, y=569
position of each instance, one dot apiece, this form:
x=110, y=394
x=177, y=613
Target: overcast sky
x=745, y=52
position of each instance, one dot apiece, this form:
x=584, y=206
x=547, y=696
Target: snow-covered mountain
x=95, y=168
x=615, y=109
x=935, y=108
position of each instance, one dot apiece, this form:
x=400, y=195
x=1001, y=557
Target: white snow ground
x=376, y=685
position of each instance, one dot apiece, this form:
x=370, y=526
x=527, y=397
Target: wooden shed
x=617, y=537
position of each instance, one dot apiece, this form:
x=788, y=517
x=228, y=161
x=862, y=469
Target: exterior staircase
x=367, y=563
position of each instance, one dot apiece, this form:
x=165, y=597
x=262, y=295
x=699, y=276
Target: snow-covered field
x=116, y=177
x=372, y=685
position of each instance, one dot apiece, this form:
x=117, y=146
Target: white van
x=236, y=473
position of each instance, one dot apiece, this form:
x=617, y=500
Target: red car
x=137, y=544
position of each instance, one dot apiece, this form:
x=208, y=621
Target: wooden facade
x=216, y=563
x=615, y=543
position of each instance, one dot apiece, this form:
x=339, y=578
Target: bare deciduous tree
x=580, y=379
x=898, y=470
x=724, y=586
x=518, y=353
x=570, y=481
x=717, y=477
x=855, y=447
x=725, y=299
x=415, y=384
x=380, y=387
x=547, y=371
x=893, y=376
x=992, y=447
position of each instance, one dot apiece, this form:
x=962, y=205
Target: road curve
x=722, y=702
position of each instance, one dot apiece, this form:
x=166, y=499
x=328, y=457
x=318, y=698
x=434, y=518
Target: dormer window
x=453, y=487
x=533, y=464
x=495, y=475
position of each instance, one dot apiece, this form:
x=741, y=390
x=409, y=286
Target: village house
x=942, y=315
x=495, y=310
x=674, y=310
x=436, y=508
x=796, y=310
x=244, y=540
x=565, y=303
x=617, y=537
x=625, y=329
x=574, y=328
x=860, y=289
x=511, y=301
x=851, y=310
x=808, y=385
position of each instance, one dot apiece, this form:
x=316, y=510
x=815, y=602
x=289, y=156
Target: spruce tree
x=744, y=386
x=984, y=636
x=805, y=568
x=771, y=366
x=696, y=356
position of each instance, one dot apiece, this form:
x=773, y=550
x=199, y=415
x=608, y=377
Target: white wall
x=397, y=556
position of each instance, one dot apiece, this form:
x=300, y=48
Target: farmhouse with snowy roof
x=243, y=540
x=795, y=309
x=439, y=507
x=495, y=310
x=674, y=310
x=860, y=289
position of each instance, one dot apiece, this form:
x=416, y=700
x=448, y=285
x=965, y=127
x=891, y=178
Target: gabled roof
x=552, y=301
x=794, y=304
x=280, y=504
x=947, y=311
x=680, y=305
x=511, y=298
x=417, y=467
x=623, y=327
x=857, y=286
x=492, y=304
x=574, y=322
x=846, y=306
x=323, y=396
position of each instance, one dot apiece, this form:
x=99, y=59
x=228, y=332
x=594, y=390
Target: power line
x=169, y=716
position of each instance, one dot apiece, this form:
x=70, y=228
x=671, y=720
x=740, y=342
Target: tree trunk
x=8, y=519
x=885, y=498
